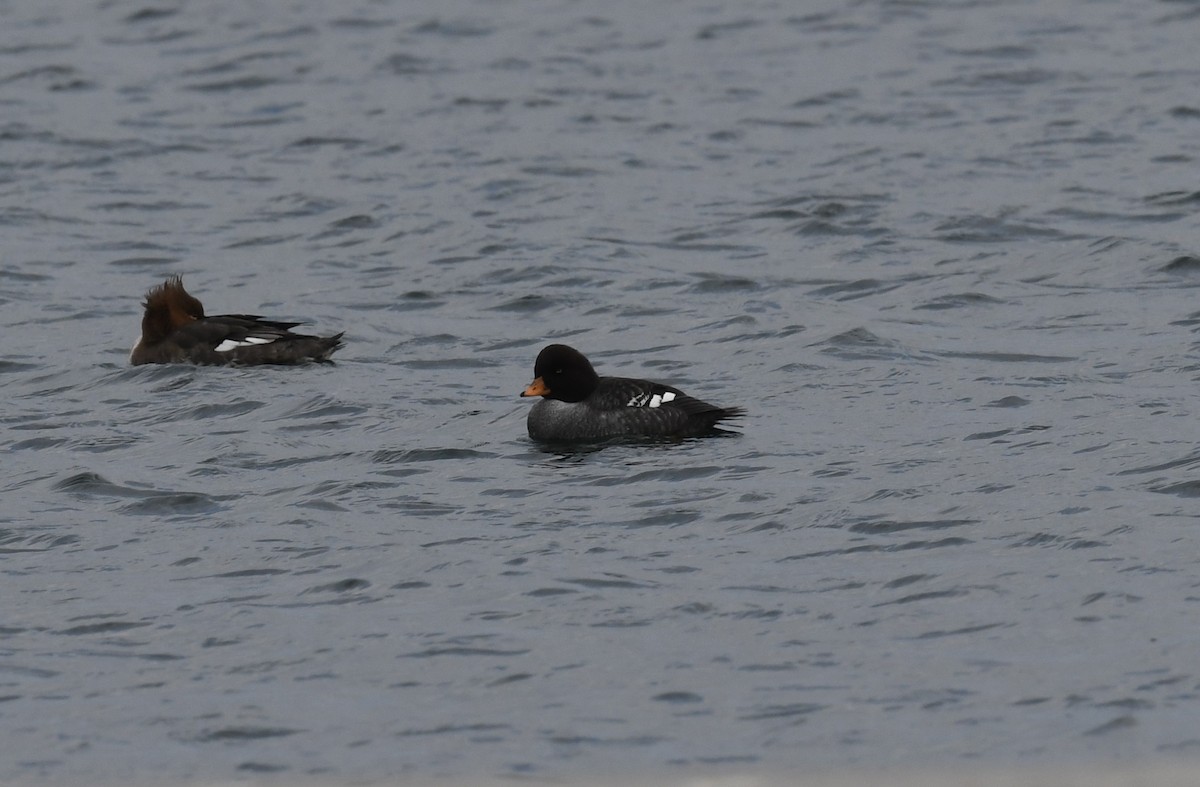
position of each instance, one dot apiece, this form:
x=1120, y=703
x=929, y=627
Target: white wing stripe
x=230, y=344
x=648, y=400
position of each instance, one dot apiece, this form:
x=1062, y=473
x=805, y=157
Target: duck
x=176, y=330
x=579, y=405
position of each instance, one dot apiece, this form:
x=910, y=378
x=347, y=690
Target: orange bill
x=537, y=388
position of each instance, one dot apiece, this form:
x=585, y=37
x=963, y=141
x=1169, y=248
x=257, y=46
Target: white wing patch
x=230, y=344
x=648, y=400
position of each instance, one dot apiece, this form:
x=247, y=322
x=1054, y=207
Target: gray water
x=944, y=253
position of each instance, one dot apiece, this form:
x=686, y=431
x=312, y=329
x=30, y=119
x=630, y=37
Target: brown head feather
x=169, y=306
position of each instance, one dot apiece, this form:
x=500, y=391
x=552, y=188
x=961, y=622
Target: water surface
x=945, y=255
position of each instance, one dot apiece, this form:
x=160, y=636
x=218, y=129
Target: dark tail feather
x=328, y=345
x=707, y=421
x=728, y=414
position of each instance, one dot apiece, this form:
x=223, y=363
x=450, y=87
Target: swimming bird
x=175, y=330
x=577, y=404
